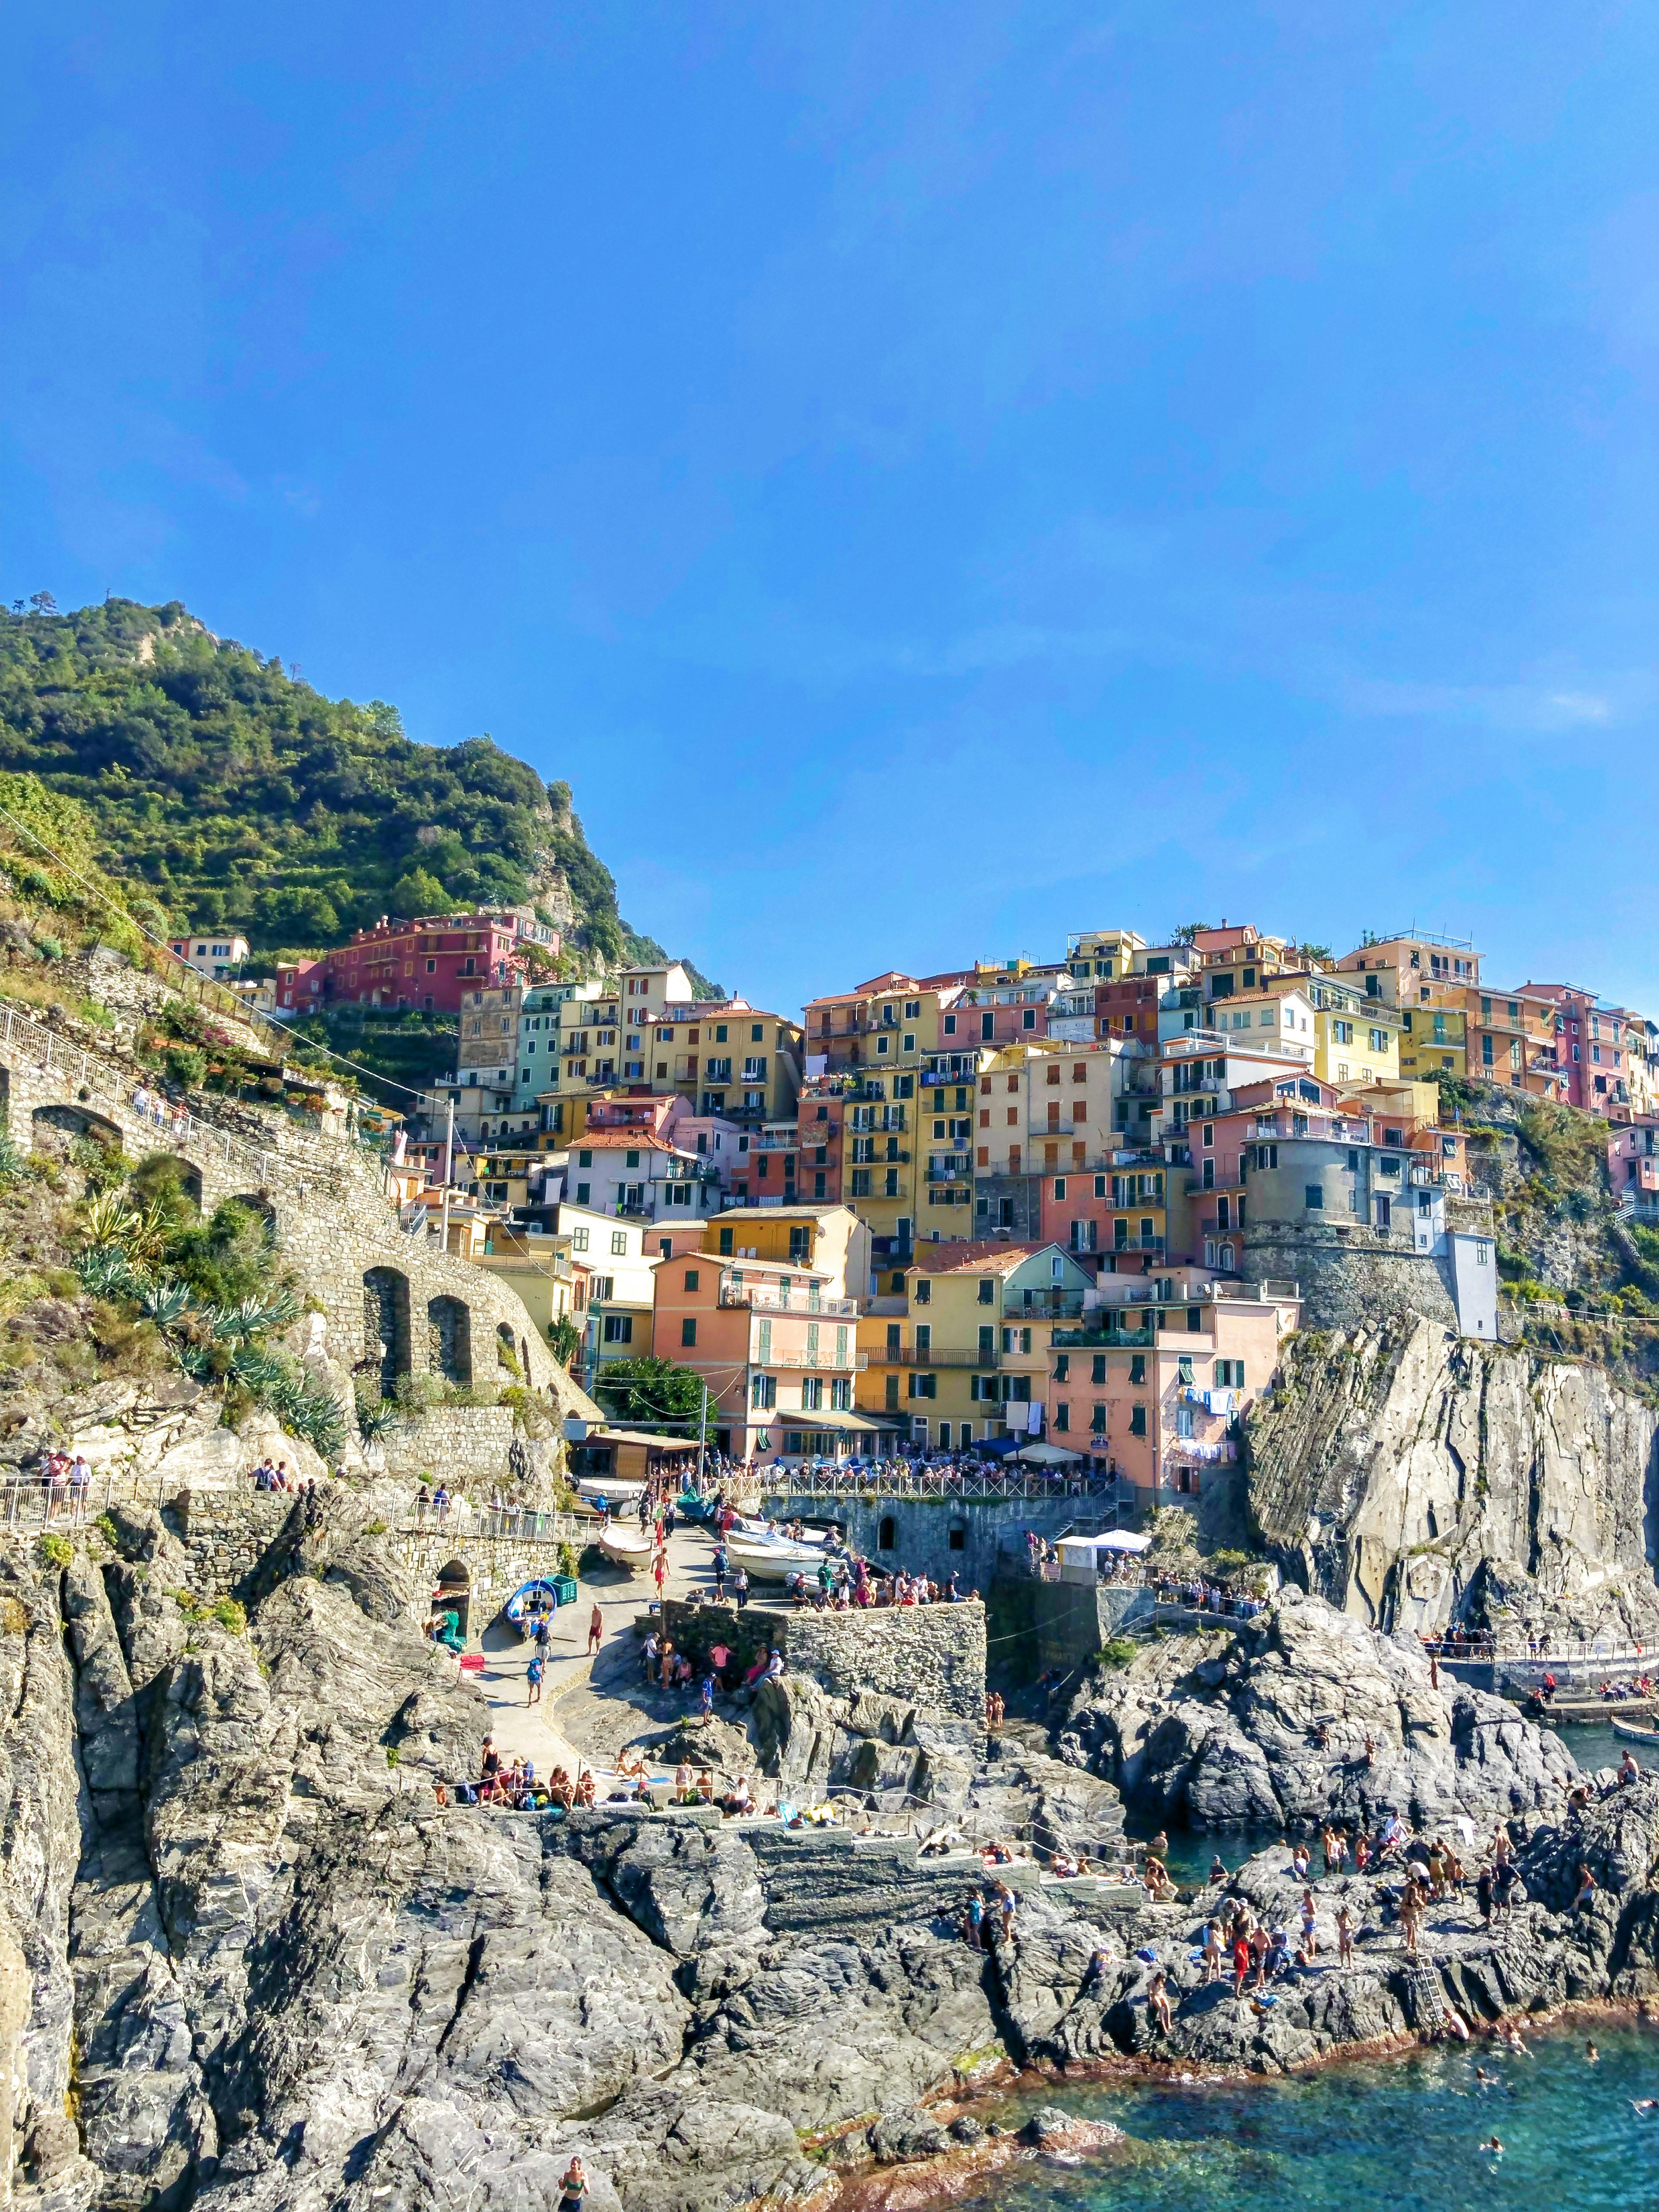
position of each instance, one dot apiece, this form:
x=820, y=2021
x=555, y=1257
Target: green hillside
x=245, y=799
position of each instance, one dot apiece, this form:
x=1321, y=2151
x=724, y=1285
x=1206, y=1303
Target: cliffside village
x=1071, y=1205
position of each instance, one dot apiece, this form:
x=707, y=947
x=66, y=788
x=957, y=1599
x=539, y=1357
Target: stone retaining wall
x=927, y=1655
x=923, y=1528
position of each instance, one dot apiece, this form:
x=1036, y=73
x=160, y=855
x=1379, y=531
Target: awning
x=855, y=1425
x=1049, y=1455
x=998, y=1447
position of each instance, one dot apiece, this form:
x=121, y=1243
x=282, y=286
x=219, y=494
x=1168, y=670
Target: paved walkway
x=601, y=1707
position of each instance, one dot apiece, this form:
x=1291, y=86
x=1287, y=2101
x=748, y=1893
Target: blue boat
x=530, y=1599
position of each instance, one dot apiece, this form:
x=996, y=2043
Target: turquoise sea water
x=1403, y=2135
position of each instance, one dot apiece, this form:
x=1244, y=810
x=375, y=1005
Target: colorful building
x=1155, y=1384
x=428, y=964
x=962, y=1353
x=776, y=1346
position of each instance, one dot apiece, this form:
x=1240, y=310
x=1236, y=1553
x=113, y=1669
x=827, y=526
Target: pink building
x=1633, y=1168
x=428, y=964
x=1155, y=1386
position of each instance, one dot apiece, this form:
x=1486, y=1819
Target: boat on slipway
x=530, y=1598
x=770, y=1559
x=627, y=1545
x=615, y=1492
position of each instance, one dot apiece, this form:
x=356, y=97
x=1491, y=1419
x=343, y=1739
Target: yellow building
x=963, y=1354
x=539, y=1269
x=902, y=1047
x=829, y=1239
x=1355, y=1038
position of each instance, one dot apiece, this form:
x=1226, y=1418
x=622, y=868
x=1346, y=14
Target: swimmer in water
x=1644, y=2103
x=1491, y=2143
x=1485, y=2079
x=1512, y=2037
x=1591, y=2053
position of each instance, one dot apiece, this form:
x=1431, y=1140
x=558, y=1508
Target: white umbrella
x=1047, y=1455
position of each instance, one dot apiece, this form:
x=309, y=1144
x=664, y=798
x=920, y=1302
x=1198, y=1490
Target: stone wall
x=992, y=1530
x=1349, y=1276
x=333, y=1224
x=928, y=1655
x=226, y=1536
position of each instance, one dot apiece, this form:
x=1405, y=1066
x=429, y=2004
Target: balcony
x=766, y=1297
x=768, y=1143
x=1048, y=1305
x=1103, y=1335
x=958, y=1170
x=1145, y=1243
x=814, y=1362
x=1053, y=1128
x=911, y=1355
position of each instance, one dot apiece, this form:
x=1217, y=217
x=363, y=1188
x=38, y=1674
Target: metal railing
x=102, y=1078
x=764, y=1299
x=917, y=1355
x=942, y=1482
x=459, y=1517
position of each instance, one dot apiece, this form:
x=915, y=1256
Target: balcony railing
x=767, y=1142
x=950, y=1355
x=1102, y=1332
x=948, y=1171
x=854, y=1361
x=1142, y=1244
x=762, y=1297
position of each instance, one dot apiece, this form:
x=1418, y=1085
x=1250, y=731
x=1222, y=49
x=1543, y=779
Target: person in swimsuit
x=574, y=2188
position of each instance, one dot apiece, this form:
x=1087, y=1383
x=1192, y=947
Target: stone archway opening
x=386, y=1325
x=506, y=1352
x=449, y=1339
x=257, y=1204
x=451, y=1593
x=54, y=1131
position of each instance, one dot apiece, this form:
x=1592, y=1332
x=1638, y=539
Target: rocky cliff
x=1415, y=1477
x=1304, y=1715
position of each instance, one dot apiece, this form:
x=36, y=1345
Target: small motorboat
x=770, y=1561
x=1637, y=1735
x=749, y=1530
x=530, y=1599
x=626, y=1546
x=612, y=1488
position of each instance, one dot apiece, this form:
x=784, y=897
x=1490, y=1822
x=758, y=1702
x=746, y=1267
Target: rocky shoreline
x=249, y=1960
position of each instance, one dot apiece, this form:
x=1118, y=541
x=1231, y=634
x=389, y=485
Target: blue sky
x=930, y=477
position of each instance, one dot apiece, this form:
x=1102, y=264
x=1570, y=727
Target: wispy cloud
x=1520, y=707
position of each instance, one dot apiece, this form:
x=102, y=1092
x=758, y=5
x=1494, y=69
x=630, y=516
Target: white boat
x=612, y=1488
x=628, y=1546
x=762, y=1532
x=770, y=1561
x=1637, y=1735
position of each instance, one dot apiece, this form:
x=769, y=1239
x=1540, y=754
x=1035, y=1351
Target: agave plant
x=111, y=1223
x=253, y=1317
x=106, y=1272
x=261, y=1372
x=376, y=1417
x=166, y=1304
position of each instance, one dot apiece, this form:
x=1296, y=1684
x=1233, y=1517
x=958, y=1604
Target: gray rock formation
x=249, y=1964
x=1414, y=1478
x=1270, y=1726
x=1065, y=2002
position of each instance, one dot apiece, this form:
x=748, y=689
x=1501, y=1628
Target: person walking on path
x=721, y=1563
x=659, y=1572
x=534, y=1674
x=595, y=1631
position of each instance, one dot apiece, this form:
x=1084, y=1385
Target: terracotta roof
x=975, y=1257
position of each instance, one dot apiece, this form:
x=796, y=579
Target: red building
x=428, y=963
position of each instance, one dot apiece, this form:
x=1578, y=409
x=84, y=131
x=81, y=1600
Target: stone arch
x=453, y=1592
x=887, y=1533
x=506, y=1352
x=258, y=1203
x=158, y=1174
x=386, y=1324
x=449, y=1339
x=54, y=1128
